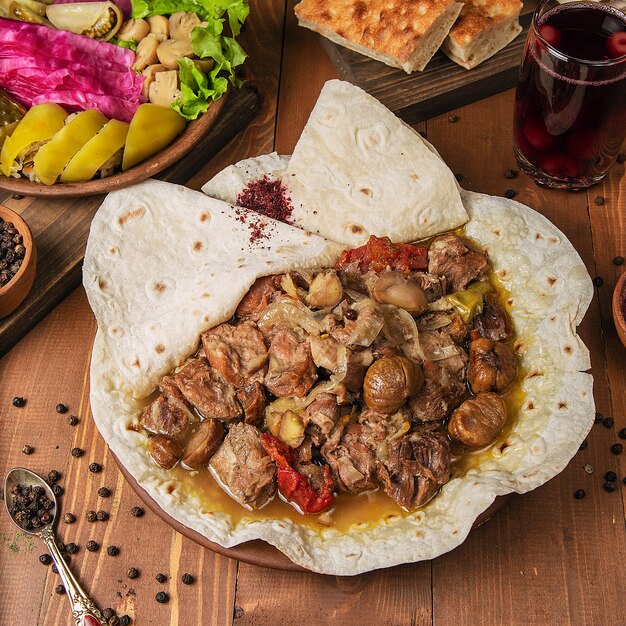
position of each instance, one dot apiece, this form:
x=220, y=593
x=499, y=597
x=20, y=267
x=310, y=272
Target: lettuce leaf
x=130, y=45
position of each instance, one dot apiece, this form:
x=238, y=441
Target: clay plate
x=176, y=150
x=258, y=552
x=619, y=296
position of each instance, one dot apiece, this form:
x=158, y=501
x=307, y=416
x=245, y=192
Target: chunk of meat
x=440, y=394
x=204, y=388
x=243, y=469
x=258, y=296
x=253, y=400
x=291, y=370
x=492, y=323
x=328, y=353
x=433, y=286
x=320, y=417
x=168, y=415
x=449, y=257
x=437, y=345
x=238, y=353
x=417, y=467
x=363, y=330
x=350, y=454
x=449, y=321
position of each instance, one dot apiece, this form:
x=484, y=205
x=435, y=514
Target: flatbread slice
x=164, y=263
x=358, y=170
x=483, y=28
x=400, y=33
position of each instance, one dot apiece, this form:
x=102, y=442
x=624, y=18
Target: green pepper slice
x=469, y=302
x=39, y=124
x=93, y=155
x=52, y=158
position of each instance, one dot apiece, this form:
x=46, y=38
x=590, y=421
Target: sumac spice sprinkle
x=95, y=468
x=268, y=197
x=77, y=452
x=45, y=559
x=162, y=597
x=19, y=402
x=137, y=511
x=187, y=579
x=61, y=408
x=104, y=492
x=92, y=546
x=113, y=550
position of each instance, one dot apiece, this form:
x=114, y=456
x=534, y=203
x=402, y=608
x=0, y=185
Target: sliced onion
x=401, y=330
x=290, y=314
x=433, y=322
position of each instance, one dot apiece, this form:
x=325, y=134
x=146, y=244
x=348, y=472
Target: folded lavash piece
x=483, y=28
x=399, y=33
x=164, y=263
x=358, y=170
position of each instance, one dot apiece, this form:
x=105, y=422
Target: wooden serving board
x=61, y=226
x=442, y=86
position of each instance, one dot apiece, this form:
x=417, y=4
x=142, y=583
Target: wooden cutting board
x=442, y=86
x=61, y=226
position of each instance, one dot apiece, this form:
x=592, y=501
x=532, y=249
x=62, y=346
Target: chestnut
x=203, y=444
x=389, y=382
x=479, y=420
x=164, y=451
x=325, y=290
x=492, y=365
x=393, y=287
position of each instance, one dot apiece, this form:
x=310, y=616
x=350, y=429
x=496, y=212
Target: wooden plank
x=541, y=559
x=61, y=226
x=443, y=85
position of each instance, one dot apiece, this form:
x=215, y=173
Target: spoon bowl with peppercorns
x=32, y=505
x=18, y=260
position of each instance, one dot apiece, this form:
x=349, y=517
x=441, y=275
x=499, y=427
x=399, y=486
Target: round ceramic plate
x=178, y=148
x=257, y=552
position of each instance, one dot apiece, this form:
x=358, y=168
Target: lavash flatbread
x=164, y=263
x=358, y=170
x=550, y=292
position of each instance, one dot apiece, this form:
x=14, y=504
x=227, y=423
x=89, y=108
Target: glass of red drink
x=570, y=103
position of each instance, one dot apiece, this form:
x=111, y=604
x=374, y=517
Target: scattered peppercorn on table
x=553, y=556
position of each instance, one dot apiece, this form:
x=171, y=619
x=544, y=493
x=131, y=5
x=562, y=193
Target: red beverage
x=570, y=104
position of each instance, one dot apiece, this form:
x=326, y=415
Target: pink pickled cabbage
x=41, y=64
x=124, y=5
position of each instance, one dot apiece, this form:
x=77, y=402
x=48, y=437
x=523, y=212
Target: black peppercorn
x=102, y=516
x=598, y=281
x=624, y=480
x=161, y=578
x=91, y=516
x=621, y=158
x=72, y=420
x=92, y=546
x=45, y=559
x=510, y=194
x=599, y=200
x=108, y=613
x=162, y=597
x=54, y=569
x=71, y=548
x=599, y=417
x=114, y=621
x=137, y=511
x=611, y=476
x=132, y=573
x=60, y=589
x=622, y=433
x=95, y=468
x=125, y=620
x=608, y=422
x=28, y=449
x=453, y=119
x=19, y=402
x=187, y=579
x=510, y=174
x=609, y=486
x=351, y=314
x=580, y=494
x=57, y=490
x=618, y=260
x=113, y=550
x=77, y=452
x=459, y=177
x=583, y=445
x=61, y=408
x=69, y=518
x=53, y=477
x=617, y=448
x=103, y=492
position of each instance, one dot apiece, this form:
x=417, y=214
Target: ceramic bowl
x=619, y=307
x=14, y=292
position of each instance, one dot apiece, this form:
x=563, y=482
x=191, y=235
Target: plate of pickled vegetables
x=95, y=96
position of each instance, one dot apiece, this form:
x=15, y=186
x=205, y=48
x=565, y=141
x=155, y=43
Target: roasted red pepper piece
x=379, y=253
x=295, y=486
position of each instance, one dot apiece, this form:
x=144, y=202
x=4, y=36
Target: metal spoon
x=84, y=611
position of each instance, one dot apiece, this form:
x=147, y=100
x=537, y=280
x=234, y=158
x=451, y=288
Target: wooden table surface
x=546, y=558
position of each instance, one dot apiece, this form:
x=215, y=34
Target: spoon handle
x=84, y=611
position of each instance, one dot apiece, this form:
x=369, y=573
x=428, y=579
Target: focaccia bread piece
x=484, y=27
x=400, y=33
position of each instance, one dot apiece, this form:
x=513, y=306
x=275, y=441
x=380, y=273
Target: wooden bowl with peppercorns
x=18, y=260
x=619, y=308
